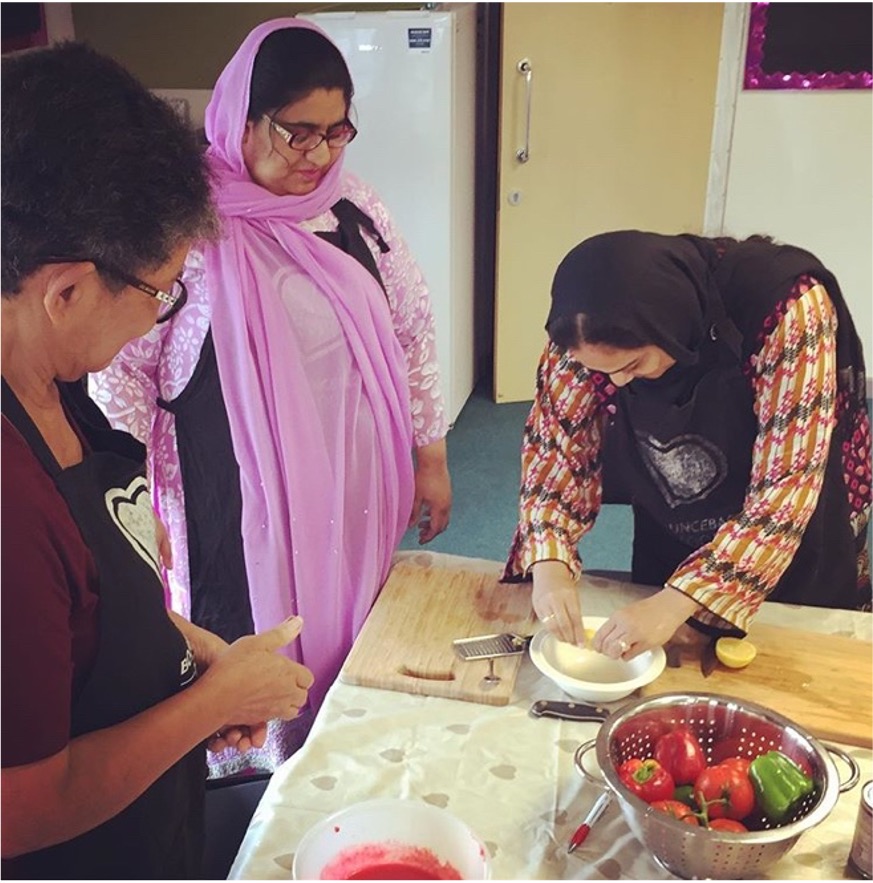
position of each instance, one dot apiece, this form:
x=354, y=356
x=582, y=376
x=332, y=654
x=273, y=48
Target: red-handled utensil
x=594, y=814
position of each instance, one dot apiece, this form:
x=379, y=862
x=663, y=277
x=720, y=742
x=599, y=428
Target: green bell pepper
x=780, y=785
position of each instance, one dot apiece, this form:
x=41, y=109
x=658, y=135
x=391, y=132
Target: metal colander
x=725, y=727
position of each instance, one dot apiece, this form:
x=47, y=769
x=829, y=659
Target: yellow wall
x=184, y=45
x=621, y=131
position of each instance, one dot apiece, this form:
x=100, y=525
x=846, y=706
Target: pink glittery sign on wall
x=810, y=46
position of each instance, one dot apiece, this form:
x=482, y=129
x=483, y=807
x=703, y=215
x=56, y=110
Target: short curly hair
x=94, y=166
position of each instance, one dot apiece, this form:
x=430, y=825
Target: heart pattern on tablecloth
x=286, y=861
x=393, y=755
x=324, y=783
x=460, y=729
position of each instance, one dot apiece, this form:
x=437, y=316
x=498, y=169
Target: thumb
x=282, y=634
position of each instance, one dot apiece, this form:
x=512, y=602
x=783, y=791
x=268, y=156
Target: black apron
x=220, y=599
x=679, y=449
x=141, y=659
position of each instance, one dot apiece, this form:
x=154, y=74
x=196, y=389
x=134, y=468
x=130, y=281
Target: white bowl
x=591, y=676
x=400, y=837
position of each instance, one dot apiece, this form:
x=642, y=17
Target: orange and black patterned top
x=793, y=374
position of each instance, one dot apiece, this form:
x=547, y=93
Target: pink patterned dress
x=161, y=364
x=157, y=369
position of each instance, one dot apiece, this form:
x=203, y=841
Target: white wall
x=801, y=170
x=797, y=166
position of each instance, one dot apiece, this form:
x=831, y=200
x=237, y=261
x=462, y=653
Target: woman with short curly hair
x=108, y=699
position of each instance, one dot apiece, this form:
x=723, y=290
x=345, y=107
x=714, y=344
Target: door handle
x=525, y=69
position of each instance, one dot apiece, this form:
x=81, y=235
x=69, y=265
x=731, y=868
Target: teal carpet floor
x=484, y=449
x=485, y=463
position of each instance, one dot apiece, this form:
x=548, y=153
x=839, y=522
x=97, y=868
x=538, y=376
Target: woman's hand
x=433, y=491
x=208, y=648
x=644, y=624
x=556, y=601
x=165, y=549
x=205, y=645
x=242, y=737
x=257, y=681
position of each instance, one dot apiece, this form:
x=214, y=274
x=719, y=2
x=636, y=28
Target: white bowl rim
x=375, y=803
x=654, y=670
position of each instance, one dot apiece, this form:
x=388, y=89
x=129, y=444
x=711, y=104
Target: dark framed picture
x=809, y=46
x=23, y=26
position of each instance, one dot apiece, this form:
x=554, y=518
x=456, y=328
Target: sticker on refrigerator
x=419, y=38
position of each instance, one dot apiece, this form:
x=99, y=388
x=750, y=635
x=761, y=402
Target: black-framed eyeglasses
x=170, y=301
x=337, y=136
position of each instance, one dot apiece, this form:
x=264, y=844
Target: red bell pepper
x=647, y=779
x=680, y=754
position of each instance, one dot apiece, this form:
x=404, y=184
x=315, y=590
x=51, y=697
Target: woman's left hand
x=165, y=549
x=207, y=647
x=645, y=624
x=242, y=737
x=433, y=491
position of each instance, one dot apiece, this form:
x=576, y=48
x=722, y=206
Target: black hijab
x=657, y=288
x=677, y=292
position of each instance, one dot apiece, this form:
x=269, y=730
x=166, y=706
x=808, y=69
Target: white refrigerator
x=414, y=74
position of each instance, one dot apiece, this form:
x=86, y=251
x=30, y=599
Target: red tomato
x=647, y=779
x=677, y=809
x=724, y=790
x=680, y=754
x=726, y=749
x=731, y=825
x=741, y=763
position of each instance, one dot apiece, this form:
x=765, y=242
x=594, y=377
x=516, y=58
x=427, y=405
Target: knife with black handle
x=708, y=658
x=569, y=711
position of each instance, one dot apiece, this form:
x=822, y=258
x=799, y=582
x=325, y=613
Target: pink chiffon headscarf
x=295, y=518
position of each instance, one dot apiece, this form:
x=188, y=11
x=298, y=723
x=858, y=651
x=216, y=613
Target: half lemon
x=735, y=652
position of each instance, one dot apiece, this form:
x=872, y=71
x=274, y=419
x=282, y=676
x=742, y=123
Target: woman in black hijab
x=718, y=387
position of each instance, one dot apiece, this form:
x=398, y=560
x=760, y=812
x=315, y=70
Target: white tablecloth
x=508, y=775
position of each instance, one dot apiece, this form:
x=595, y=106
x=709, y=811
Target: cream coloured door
x=622, y=106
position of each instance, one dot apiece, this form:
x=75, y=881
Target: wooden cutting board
x=824, y=683
x=406, y=642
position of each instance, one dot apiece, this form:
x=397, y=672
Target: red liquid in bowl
x=393, y=871
x=388, y=861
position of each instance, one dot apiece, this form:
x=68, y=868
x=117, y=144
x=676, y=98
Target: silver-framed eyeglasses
x=306, y=139
x=170, y=301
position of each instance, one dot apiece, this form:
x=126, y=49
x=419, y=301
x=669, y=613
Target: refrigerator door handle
x=525, y=69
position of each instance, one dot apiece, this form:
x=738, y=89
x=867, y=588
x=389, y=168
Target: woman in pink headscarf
x=282, y=407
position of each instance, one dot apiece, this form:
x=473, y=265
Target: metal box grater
x=490, y=646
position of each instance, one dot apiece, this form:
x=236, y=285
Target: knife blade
x=570, y=711
x=674, y=655
x=708, y=659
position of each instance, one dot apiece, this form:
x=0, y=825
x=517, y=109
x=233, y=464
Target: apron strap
x=347, y=237
x=14, y=412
